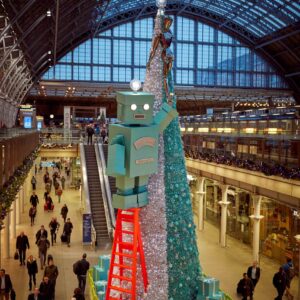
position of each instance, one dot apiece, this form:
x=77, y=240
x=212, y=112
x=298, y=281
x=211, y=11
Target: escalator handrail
x=85, y=180
x=103, y=191
x=107, y=187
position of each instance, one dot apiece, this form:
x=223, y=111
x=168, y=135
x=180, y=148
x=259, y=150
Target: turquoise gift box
x=209, y=286
x=100, y=285
x=101, y=295
x=104, y=261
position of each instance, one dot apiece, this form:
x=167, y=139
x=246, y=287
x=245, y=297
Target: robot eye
x=146, y=106
x=133, y=107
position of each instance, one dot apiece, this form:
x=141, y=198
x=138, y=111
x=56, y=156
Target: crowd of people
x=281, y=281
x=45, y=290
x=252, y=165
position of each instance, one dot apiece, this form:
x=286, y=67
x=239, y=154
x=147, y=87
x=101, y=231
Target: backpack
x=76, y=268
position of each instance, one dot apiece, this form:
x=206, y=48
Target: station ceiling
x=46, y=30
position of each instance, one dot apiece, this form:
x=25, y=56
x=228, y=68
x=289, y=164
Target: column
x=18, y=209
x=22, y=196
x=215, y=186
x=205, y=200
x=224, y=204
x=200, y=199
x=256, y=217
x=6, y=237
x=13, y=215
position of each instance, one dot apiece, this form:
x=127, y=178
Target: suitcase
x=63, y=238
x=46, y=207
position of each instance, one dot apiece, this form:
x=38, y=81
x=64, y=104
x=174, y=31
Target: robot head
x=135, y=108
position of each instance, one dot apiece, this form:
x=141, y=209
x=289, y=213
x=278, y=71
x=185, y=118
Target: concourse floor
x=64, y=257
x=226, y=264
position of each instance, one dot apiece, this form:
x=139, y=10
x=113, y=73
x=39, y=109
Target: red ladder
x=124, y=258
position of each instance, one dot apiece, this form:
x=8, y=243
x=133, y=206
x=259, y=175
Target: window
x=203, y=56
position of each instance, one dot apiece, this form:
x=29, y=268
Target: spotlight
x=135, y=85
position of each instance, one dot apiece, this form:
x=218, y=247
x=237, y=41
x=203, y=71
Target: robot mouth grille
x=139, y=116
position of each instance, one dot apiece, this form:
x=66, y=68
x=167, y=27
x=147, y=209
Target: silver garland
x=153, y=216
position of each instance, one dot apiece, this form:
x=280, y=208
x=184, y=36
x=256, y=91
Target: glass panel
x=82, y=53
x=259, y=64
x=184, y=77
x=259, y=80
x=225, y=79
x=124, y=30
x=243, y=59
x=143, y=28
x=105, y=33
x=140, y=74
x=242, y=79
x=205, y=57
x=205, y=33
x=122, y=52
x=205, y=78
x=122, y=74
x=185, y=29
x=141, y=52
x=101, y=51
x=224, y=61
x=67, y=58
x=49, y=74
x=81, y=72
x=101, y=74
x=63, y=72
x=185, y=55
x=224, y=38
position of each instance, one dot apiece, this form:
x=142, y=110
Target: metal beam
x=11, y=68
x=56, y=31
x=292, y=74
x=279, y=38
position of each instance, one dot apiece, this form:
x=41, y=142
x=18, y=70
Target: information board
x=87, y=228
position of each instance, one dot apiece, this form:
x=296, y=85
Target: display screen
x=39, y=125
x=27, y=122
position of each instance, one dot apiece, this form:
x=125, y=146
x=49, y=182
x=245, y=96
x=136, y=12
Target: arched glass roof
x=260, y=17
x=204, y=57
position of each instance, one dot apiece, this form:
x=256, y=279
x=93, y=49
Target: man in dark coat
x=46, y=289
x=279, y=281
x=35, y=295
x=34, y=199
x=41, y=233
x=90, y=132
x=32, y=269
x=82, y=267
x=5, y=284
x=245, y=287
x=253, y=273
x=64, y=212
x=22, y=244
x=68, y=230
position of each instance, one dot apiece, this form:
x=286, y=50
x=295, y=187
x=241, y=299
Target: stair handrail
x=104, y=194
x=107, y=187
x=87, y=204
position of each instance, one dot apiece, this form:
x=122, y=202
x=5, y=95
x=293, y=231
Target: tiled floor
x=227, y=264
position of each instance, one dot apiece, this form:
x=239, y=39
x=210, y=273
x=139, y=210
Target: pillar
x=224, y=204
x=205, y=200
x=256, y=217
x=215, y=186
x=200, y=199
x=22, y=196
x=13, y=215
x=6, y=237
x=18, y=209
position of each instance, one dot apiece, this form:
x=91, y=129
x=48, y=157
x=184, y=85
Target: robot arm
x=164, y=117
x=116, y=156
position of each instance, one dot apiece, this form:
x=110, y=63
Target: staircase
x=96, y=200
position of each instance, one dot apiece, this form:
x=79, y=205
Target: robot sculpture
x=132, y=157
x=133, y=147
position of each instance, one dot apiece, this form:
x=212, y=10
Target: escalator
x=96, y=193
x=111, y=180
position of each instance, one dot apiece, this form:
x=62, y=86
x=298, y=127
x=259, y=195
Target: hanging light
x=48, y=13
x=135, y=85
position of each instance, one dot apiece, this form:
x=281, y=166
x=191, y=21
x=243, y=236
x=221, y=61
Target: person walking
x=46, y=289
x=51, y=271
x=54, y=226
x=41, y=233
x=43, y=245
x=33, y=183
x=78, y=294
x=32, y=214
x=22, y=244
x=35, y=295
x=5, y=285
x=81, y=268
x=253, y=273
x=68, y=227
x=63, y=182
x=34, y=199
x=64, y=212
x=289, y=271
x=59, y=192
x=279, y=281
x=32, y=269
x=90, y=132
x=245, y=287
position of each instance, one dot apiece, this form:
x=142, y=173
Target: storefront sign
x=87, y=228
